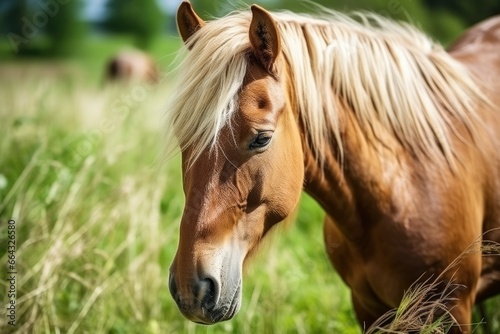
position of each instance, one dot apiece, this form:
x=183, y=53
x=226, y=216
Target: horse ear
x=264, y=37
x=188, y=21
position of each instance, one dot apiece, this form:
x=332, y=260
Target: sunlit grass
x=97, y=223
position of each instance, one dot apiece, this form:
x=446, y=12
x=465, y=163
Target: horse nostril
x=206, y=292
x=173, y=288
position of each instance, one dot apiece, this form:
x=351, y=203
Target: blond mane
x=392, y=76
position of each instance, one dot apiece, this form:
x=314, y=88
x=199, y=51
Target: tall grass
x=86, y=198
x=97, y=221
x=425, y=306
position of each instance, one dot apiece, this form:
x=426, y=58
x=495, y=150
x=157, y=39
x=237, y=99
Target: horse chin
x=235, y=305
x=219, y=313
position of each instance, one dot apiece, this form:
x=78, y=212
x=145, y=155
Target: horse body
x=401, y=221
x=403, y=198
x=392, y=221
x=484, y=36
x=477, y=48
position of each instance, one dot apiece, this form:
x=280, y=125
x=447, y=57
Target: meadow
x=97, y=209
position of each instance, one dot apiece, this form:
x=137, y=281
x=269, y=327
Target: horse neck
x=354, y=187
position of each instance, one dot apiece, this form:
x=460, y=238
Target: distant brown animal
x=397, y=139
x=132, y=66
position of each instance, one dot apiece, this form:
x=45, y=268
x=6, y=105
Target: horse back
x=479, y=50
x=484, y=34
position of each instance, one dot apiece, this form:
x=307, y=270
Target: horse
x=396, y=138
x=131, y=66
x=485, y=34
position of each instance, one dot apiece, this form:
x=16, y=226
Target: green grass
x=98, y=214
x=97, y=223
x=93, y=54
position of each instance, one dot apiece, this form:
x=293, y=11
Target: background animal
x=132, y=66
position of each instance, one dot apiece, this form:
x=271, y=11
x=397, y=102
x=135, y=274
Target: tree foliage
x=56, y=22
x=11, y=14
x=142, y=19
x=470, y=11
x=64, y=27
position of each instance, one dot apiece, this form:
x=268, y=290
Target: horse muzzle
x=204, y=302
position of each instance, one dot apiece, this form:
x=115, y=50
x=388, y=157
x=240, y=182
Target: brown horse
x=485, y=35
x=132, y=66
x=392, y=135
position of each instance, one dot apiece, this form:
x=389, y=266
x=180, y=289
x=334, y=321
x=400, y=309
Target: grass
x=89, y=61
x=97, y=223
x=423, y=307
x=97, y=217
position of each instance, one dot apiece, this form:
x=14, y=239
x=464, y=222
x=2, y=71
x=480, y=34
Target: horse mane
x=392, y=76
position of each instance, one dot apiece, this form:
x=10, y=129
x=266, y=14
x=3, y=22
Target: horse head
x=234, y=189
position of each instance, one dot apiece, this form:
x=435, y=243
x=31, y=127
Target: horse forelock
x=393, y=77
x=212, y=65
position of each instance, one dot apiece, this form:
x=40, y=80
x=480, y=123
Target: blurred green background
x=90, y=31
x=97, y=210
x=73, y=27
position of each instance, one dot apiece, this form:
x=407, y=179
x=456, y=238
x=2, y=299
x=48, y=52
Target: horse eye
x=261, y=140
